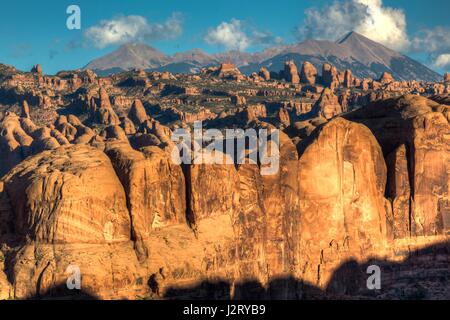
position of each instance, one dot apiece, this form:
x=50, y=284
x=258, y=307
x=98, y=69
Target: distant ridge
x=366, y=58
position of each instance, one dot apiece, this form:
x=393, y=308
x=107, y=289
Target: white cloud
x=367, y=17
x=442, y=60
x=230, y=35
x=125, y=29
x=265, y=38
x=435, y=42
x=235, y=35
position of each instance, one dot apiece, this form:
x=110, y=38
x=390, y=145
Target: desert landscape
x=87, y=178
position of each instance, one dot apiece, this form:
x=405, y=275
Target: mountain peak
x=133, y=46
x=129, y=56
x=352, y=35
x=367, y=58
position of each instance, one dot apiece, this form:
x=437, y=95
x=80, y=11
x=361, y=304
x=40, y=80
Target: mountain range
x=366, y=58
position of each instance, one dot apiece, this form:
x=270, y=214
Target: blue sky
x=35, y=31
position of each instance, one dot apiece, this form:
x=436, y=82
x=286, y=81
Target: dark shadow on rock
x=61, y=292
x=424, y=274
x=219, y=290
x=250, y=290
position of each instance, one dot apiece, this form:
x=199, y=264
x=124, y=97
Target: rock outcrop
x=105, y=113
x=348, y=78
x=413, y=132
x=447, y=77
x=291, y=72
x=328, y=105
x=348, y=200
x=264, y=73
x=330, y=77
x=37, y=69
x=69, y=208
x=25, y=110
x=386, y=78
x=228, y=71
x=308, y=74
x=154, y=187
x=137, y=113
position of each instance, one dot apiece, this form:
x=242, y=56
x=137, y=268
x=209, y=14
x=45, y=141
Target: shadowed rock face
x=95, y=187
x=413, y=132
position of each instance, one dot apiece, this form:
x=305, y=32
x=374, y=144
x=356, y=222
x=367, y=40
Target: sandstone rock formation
x=413, y=131
x=105, y=113
x=37, y=69
x=308, y=74
x=264, y=73
x=348, y=78
x=155, y=188
x=15, y=143
x=291, y=72
x=352, y=211
x=137, y=113
x=228, y=71
x=386, y=77
x=25, y=110
x=327, y=106
x=330, y=77
x=69, y=208
x=283, y=116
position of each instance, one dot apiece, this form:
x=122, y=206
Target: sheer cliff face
x=418, y=161
x=137, y=224
x=342, y=212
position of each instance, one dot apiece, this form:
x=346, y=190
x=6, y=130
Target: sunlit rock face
x=343, y=212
